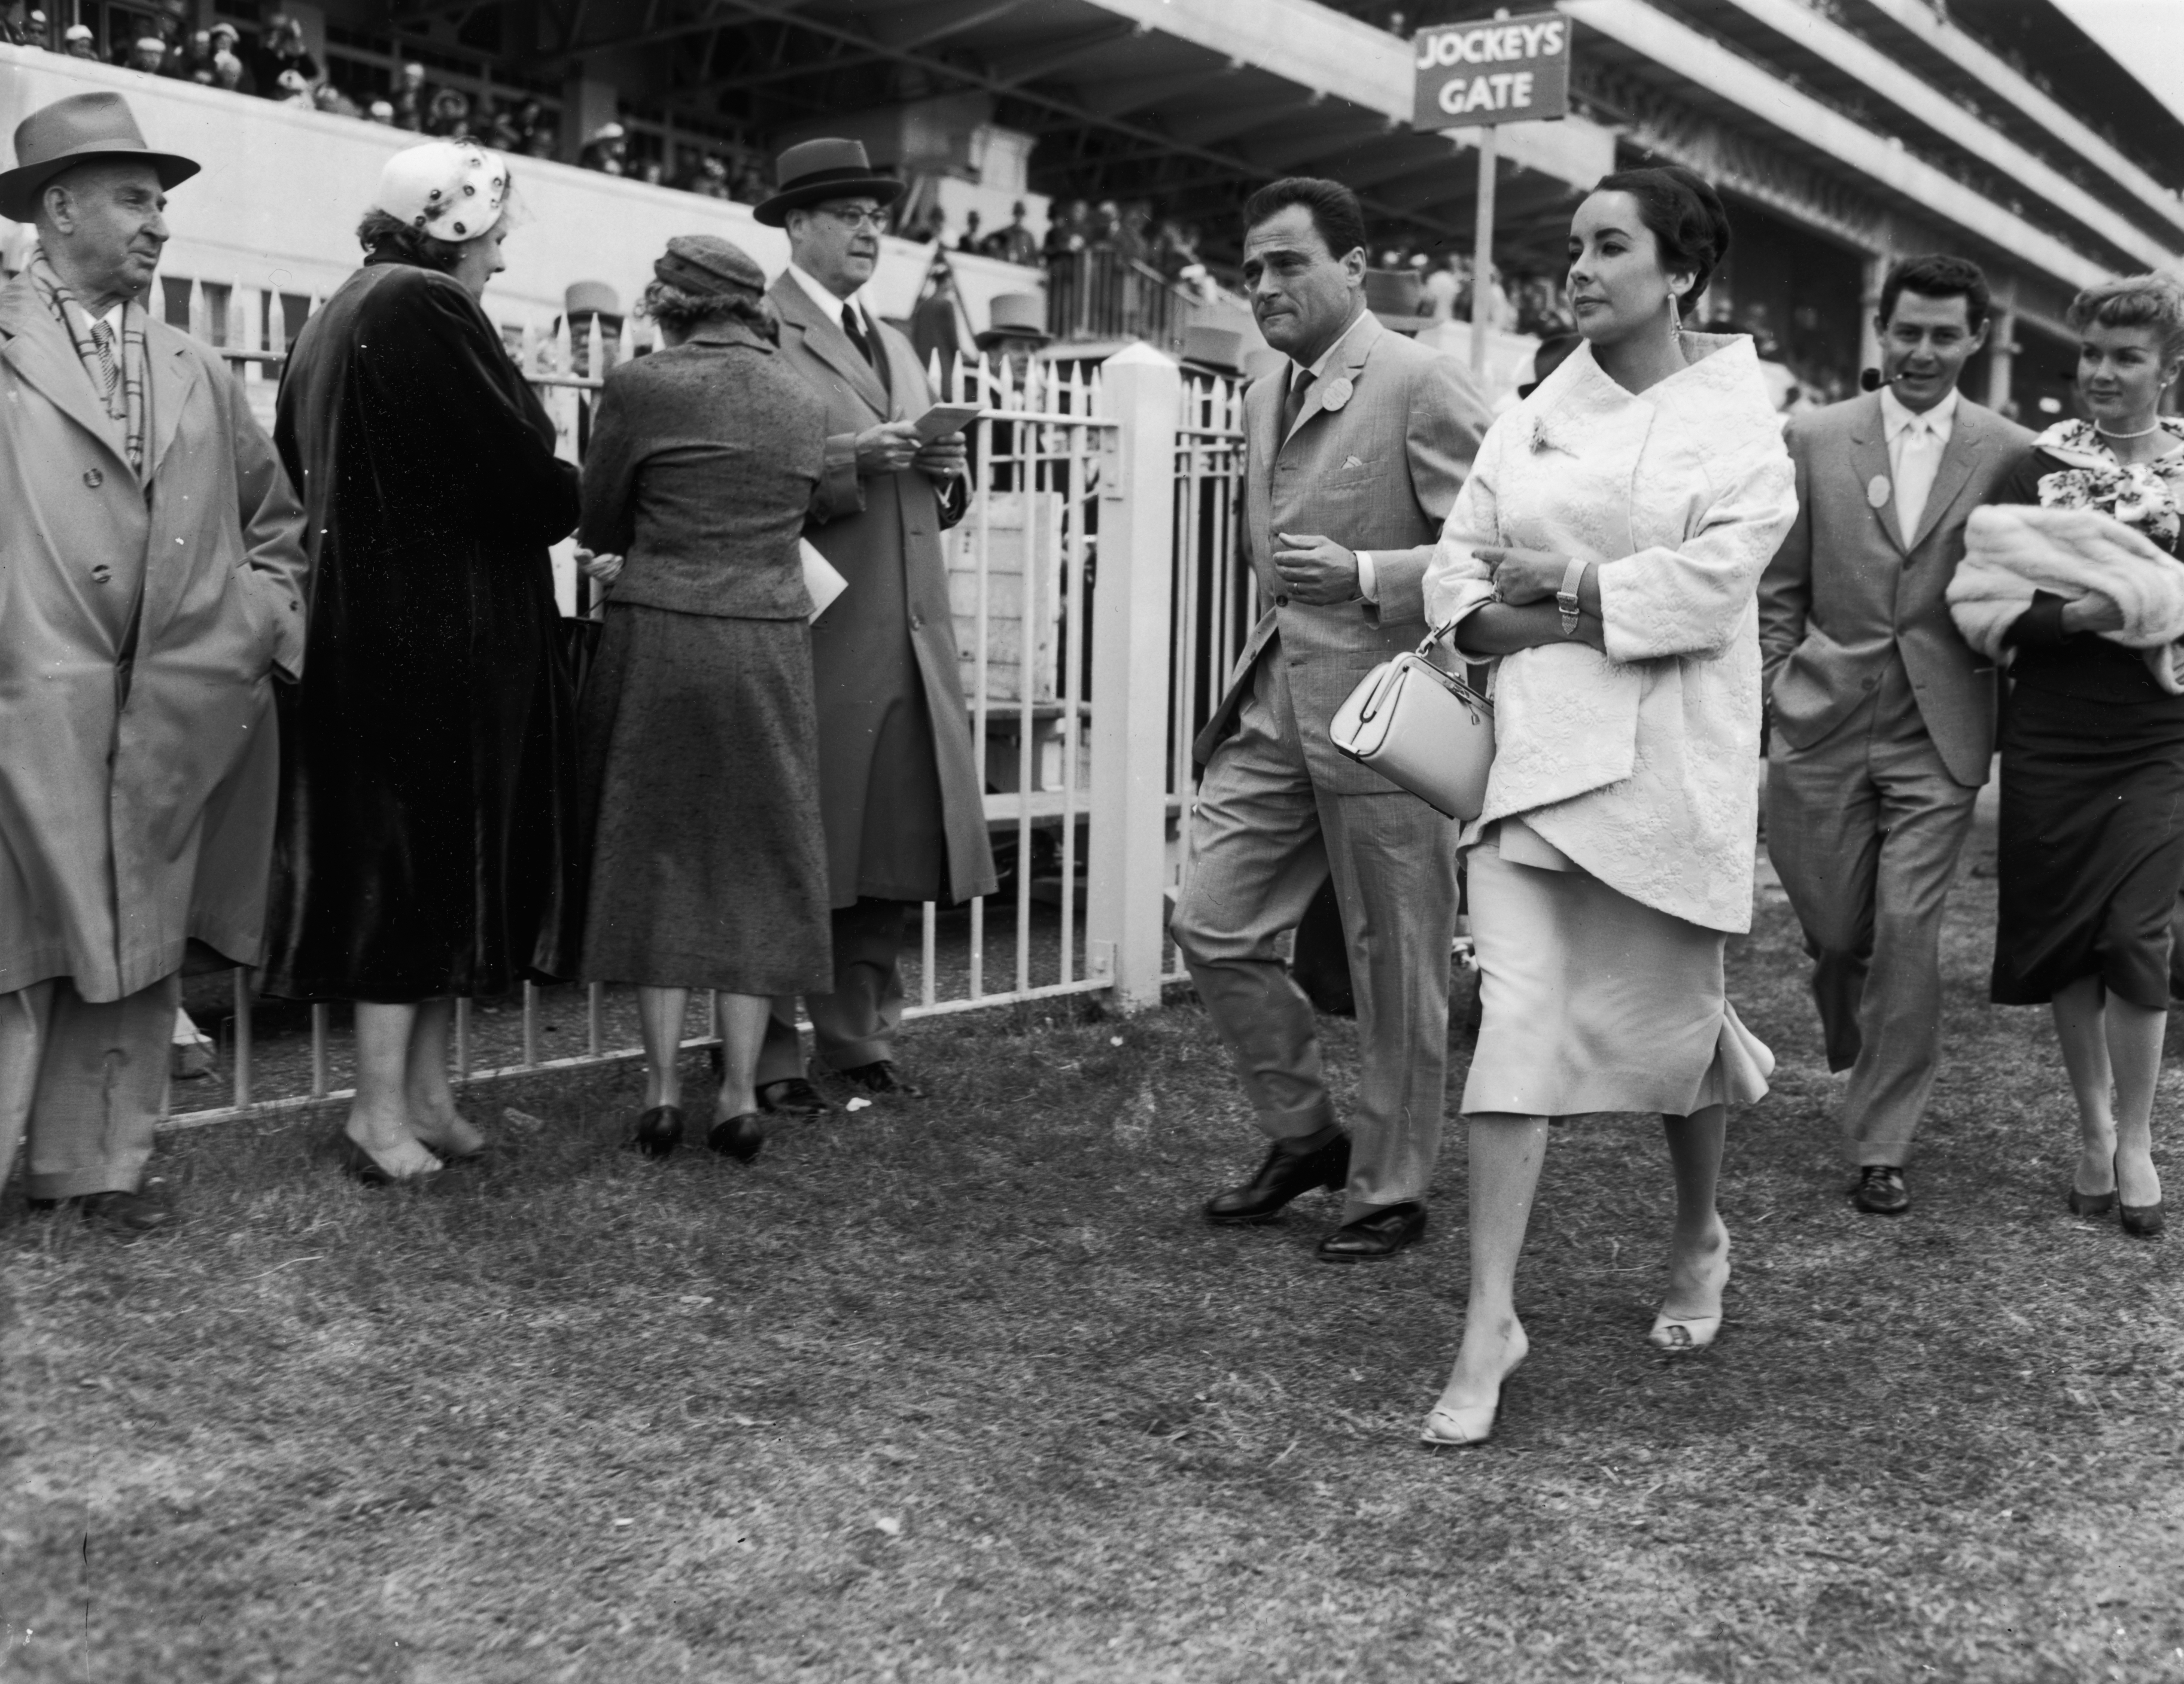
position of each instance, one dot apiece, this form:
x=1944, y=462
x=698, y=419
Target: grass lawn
x=965, y=1390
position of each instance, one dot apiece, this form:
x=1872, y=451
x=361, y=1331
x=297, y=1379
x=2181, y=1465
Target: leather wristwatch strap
x=1566, y=599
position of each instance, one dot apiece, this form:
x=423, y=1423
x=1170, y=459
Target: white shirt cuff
x=1368, y=577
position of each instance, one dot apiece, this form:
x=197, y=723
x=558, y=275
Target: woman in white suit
x=1606, y=553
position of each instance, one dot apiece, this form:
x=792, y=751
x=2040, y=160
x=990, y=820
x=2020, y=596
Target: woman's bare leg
x=2081, y=1026
x=379, y=1115
x=660, y=1014
x=1507, y=1151
x=742, y=1019
x=2134, y=1038
x=426, y=1090
x=1699, y=1239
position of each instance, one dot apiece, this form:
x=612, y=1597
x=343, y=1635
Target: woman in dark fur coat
x=426, y=815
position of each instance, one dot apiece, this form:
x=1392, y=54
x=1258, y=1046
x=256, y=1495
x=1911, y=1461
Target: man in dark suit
x=899, y=792
x=1883, y=718
x=1357, y=449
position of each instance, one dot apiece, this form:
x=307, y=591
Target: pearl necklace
x=2143, y=432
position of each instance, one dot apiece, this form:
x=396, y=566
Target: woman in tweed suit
x=697, y=740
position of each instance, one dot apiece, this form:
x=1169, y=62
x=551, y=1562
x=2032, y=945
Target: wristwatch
x=1566, y=599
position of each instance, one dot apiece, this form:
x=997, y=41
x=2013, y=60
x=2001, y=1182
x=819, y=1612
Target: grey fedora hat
x=813, y=171
x=75, y=130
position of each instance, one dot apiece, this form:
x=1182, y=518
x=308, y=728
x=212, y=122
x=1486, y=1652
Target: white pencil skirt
x=1591, y=1002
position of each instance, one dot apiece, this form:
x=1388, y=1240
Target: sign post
x=1481, y=75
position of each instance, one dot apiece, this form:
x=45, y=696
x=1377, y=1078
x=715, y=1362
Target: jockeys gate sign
x=1506, y=70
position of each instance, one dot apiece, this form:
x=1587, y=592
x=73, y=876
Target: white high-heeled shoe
x=1691, y=1333
x=1472, y=1423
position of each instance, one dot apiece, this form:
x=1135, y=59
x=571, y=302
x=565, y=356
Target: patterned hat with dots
x=450, y=190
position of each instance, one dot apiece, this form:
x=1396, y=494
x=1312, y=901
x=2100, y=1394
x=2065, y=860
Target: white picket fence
x=1099, y=597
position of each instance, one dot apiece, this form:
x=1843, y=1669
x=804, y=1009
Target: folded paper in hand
x=822, y=583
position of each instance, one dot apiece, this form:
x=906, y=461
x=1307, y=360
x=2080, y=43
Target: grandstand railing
x=1099, y=599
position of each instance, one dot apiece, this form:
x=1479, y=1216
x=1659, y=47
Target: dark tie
x=1293, y=405
x=855, y=330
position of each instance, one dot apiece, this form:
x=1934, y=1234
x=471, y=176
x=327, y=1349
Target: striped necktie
x=109, y=369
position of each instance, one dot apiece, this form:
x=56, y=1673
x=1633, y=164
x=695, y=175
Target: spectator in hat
x=427, y=817
x=449, y=115
x=899, y=791
x=148, y=54
x=699, y=750
x=138, y=759
x=281, y=48
x=413, y=99
x=709, y=178
x=607, y=151
x=1016, y=329
x=295, y=91
x=77, y=42
x=380, y=111
x=1015, y=244
x=968, y=243
x=190, y=62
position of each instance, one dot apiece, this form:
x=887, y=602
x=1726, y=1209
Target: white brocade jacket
x=1640, y=763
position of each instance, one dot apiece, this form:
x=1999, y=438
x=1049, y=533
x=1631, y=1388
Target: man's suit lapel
x=37, y=348
x=171, y=373
x=1869, y=461
x=824, y=338
x=1967, y=438
x=1348, y=365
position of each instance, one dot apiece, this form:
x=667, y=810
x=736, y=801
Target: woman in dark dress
x=2090, y=844
x=427, y=819
x=701, y=748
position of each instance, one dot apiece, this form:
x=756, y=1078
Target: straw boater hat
x=1394, y=295
x=1015, y=317
x=814, y=171
x=590, y=298
x=1215, y=350
x=77, y=130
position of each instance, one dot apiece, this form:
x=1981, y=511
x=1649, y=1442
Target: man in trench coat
x=152, y=575
x=899, y=792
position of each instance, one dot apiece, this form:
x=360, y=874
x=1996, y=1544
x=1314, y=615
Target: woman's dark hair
x=389, y=239
x=672, y=307
x=1938, y=277
x=1335, y=212
x=1685, y=216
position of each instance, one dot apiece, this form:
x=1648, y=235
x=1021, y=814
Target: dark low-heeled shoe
x=738, y=1136
x=2091, y=1203
x=2143, y=1221
x=659, y=1131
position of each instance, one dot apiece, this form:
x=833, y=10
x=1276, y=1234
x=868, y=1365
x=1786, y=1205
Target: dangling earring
x=1676, y=317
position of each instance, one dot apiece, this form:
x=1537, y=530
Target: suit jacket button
x=101, y=574
x=93, y=478
x=1281, y=602
x=917, y=622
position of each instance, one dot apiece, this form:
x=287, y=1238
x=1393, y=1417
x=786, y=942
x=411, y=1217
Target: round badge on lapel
x=93, y=478
x=1878, y=491
x=1335, y=393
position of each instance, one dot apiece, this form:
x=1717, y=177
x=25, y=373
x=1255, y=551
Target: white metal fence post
x=1126, y=902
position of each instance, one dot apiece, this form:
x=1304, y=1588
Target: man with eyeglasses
x=899, y=792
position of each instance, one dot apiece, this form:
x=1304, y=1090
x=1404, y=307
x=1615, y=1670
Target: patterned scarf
x=117, y=372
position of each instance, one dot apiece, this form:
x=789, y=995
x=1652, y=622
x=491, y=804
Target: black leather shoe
x=125, y=1213
x=1880, y=1191
x=1281, y=1178
x=738, y=1136
x=1383, y=1233
x=2143, y=1221
x=794, y=1097
x=659, y=1131
x=881, y=1078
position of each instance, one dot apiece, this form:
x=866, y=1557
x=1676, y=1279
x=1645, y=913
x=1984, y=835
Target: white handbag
x=1421, y=728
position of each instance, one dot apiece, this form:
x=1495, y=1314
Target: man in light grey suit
x=1356, y=452
x=1883, y=720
